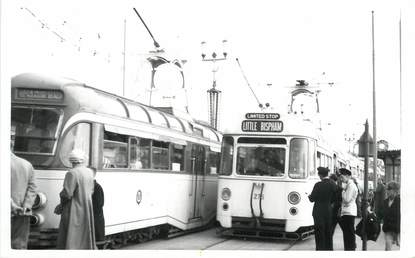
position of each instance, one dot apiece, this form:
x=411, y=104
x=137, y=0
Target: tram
x=268, y=169
x=158, y=170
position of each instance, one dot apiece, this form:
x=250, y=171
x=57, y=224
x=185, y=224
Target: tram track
x=293, y=243
x=215, y=244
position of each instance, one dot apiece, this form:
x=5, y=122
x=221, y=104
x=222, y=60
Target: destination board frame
x=262, y=126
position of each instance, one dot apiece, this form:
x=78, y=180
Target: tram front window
x=298, y=158
x=36, y=129
x=261, y=161
x=226, y=156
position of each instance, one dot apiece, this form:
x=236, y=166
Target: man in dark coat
x=335, y=216
x=379, y=198
x=323, y=195
x=392, y=216
x=98, y=204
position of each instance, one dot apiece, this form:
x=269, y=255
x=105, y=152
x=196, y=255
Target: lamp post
x=213, y=93
x=365, y=150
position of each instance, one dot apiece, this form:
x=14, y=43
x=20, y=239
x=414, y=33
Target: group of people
x=82, y=224
x=335, y=202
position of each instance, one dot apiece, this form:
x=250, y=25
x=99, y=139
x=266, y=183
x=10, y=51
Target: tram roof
x=98, y=101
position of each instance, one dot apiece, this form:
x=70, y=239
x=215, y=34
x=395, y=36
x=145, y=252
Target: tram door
x=198, y=179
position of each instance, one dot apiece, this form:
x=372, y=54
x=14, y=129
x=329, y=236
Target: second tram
x=158, y=171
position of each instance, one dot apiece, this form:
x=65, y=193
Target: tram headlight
x=226, y=194
x=293, y=211
x=294, y=198
x=40, y=201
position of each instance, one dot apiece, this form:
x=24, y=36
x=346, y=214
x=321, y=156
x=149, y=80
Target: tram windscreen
x=261, y=161
x=36, y=129
x=226, y=156
x=298, y=158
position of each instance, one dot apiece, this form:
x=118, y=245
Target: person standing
x=98, y=204
x=379, y=198
x=335, y=216
x=392, y=215
x=23, y=193
x=358, y=198
x=323, y=195
x=76, y=227
x=348, y=210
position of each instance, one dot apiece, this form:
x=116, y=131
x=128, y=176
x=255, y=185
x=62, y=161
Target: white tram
x=158, y=171
x=268, y=169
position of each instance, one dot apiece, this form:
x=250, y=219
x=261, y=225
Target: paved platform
x=379, y=245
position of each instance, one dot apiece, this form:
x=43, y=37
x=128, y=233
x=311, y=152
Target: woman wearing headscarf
x=392, y=215
x=76, y=228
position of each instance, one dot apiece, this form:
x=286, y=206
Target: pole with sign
x=365, y=150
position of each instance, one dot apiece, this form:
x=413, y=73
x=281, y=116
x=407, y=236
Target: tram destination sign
x=262, y=116
x=266, y=126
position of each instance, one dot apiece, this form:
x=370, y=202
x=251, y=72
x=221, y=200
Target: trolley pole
x=375, y=154
x=364, y=212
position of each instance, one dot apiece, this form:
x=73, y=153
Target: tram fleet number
x=262, y=122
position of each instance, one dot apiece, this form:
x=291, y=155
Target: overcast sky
x=276, y=42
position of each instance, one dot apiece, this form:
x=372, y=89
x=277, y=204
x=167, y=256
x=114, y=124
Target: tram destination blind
x=262, y=122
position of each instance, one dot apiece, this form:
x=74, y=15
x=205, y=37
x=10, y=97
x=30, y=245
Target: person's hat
x=323, y=171
x=76, y=156
x=345, y=171
x=392, y=185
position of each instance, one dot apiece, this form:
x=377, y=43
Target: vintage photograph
x=205, y=128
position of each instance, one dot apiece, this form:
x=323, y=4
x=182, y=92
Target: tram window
x=319, y=159
x=298, y=158
x=330, y=162
x=160, y=155
x=198, y=131
x=312, y=162
x=227, y=156
x=177, y=157
x=135, y=154
x=261, y=161
x=213, y=163
x=115, y=150
x=77, y=138
x=144, y=149
x=36, y=129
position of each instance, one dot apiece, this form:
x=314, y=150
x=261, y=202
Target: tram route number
x=258, y=196
x=261, y=126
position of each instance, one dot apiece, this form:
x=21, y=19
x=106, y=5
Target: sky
x=276, y=43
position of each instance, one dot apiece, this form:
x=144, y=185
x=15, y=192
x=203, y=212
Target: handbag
x=372, y=227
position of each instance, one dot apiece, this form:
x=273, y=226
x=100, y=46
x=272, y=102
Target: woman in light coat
x=76, y=228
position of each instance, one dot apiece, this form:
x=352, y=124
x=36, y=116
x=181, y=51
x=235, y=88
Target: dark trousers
x=19, y=227
x=334, y=220
x=323, y=233
x=349, y=237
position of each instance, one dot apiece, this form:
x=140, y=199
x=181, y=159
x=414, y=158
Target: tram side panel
x=133, y=200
